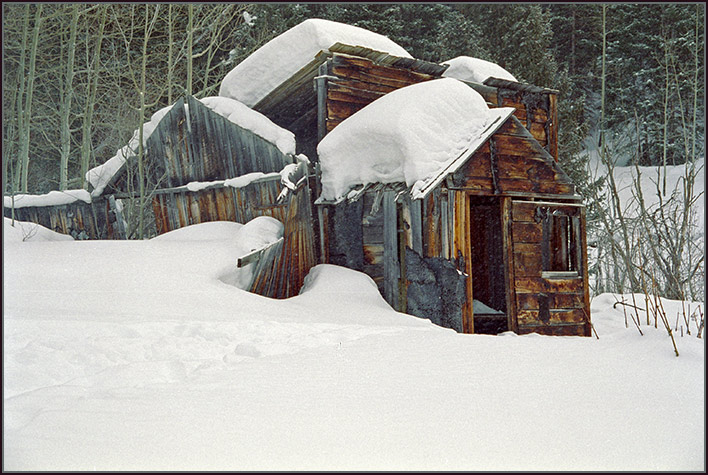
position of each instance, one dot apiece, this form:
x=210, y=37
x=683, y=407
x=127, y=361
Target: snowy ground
x=141, y=356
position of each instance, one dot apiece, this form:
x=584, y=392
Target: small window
x=561, y=251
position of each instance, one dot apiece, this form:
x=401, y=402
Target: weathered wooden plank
x=556, y=316
x=525, y=211
x=462, y=254
x=530, y=301
x=507, y=252
x=338, y=110
x=554, y=330
x=391, y=266
x=526, y=232
x=366, y=71
x=538, y=284
x=552, y=124
x=349, y=90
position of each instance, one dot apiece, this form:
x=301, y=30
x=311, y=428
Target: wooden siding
x=552, y=306
x=285, y=274
x=80, y=220
x=182, y=207
x=535, y=107
x=512, y=161
x=354, y=82
x=184, y=147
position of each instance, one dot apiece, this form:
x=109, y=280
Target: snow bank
x=406, y=136
x=23, y=231
x=476, y=70
x=283, y=56
x=158, y=365
x=53, y=198
x=256, y=234
x=231, y=109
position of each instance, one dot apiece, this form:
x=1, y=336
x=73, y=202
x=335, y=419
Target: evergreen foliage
x=651, y=54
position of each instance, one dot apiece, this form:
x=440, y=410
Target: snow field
x=138, y=356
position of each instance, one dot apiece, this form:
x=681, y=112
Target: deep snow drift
x=466, y=68
x=137, y=355
x=408, y=136
x=283, y=56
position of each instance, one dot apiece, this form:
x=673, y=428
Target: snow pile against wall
x=53, y=198
x=283, y=56
x=477, y=70
x=22, y=231
x=406, y=136
x=230, y=109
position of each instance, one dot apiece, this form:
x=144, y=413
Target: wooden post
x=391, y=270
x=508, y=253
x=321, y=90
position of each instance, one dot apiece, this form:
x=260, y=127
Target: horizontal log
x=338, y=110
x=366, y=71
x=516, y=146
x=339, y=92
x=556, y=330
x=358, y=88
x=555, y=300
x=538, y=284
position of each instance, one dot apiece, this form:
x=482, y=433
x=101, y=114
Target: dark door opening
x=487, y=256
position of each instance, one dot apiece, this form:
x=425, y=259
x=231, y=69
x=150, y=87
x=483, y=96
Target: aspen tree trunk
x=91, y=100
x=68, y=90
x=169, y=54
x=27, y=112
x=190, y=10
x=666, y=110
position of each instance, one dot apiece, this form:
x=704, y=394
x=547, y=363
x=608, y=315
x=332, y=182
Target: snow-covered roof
x=53, y=198
x=283, y=56
x=233, y=110
x=466, y=68
x=417, y=135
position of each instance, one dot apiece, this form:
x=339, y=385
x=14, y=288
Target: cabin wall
x=354, y=82
x=96, y=220
x=537, y=111
x=512, y=162
x=547, y=301
x=180, y=207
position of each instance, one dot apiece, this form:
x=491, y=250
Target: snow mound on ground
x=211, y=231
x=53, y=198
x=466, y=68
x=23, y=231
x=404, y=136
x=283, y=56
x=232, y=110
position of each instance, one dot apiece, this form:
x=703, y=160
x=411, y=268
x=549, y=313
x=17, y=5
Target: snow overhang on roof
x=284, y=56
x=416, y=135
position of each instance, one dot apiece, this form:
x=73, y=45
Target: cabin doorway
x=487, y=265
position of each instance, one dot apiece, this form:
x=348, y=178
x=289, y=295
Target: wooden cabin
x=201, y=167
x=498, y=245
